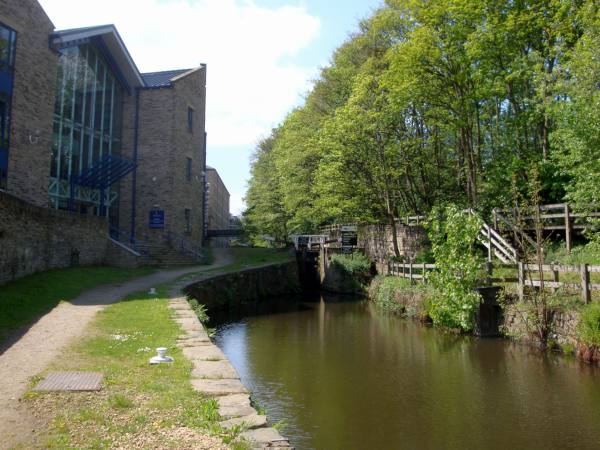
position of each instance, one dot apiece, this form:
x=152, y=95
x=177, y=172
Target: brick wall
x=35, y=239
x=32, y=101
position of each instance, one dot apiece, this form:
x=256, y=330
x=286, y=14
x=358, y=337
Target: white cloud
x=249, y=87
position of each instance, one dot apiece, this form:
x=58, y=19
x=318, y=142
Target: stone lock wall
x=378, y=245
x=34, y=239
x=233, y=290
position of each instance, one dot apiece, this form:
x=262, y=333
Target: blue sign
x=157, y=218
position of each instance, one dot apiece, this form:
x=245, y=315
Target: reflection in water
x=347, y=376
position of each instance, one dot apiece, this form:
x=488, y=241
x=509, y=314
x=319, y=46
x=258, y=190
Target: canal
x=344, y=375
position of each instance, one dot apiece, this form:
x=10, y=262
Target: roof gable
x=111, y=44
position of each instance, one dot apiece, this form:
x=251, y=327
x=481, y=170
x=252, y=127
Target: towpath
x=50, y=334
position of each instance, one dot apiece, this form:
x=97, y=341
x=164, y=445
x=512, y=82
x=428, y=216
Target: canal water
x=344, y=375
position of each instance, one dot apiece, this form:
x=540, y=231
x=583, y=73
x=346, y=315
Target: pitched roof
x=162, y=79
x=112, y=44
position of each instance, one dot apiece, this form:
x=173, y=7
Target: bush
x=583, y=254
x=588, y=329
x=398, y=295
x=453, y=234
x=355, y=264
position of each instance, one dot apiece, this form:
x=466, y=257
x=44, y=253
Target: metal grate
x=71, y=381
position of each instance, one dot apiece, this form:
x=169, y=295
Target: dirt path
x=49, y=335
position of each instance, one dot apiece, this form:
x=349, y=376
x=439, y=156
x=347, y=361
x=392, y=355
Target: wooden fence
x=553, y=282
x=558, y=216
x=418, y=271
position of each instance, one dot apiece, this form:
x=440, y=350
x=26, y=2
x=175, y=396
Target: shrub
x=355, y=264
x=453, y=234
x=588, y=329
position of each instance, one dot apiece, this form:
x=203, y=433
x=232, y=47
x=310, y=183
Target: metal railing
x=185, y=247
x=141, y=246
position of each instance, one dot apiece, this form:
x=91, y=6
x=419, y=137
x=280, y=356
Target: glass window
x=87, y=121
x=7, y=47
x=8, y=39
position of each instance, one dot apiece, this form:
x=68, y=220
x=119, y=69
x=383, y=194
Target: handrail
x=140, y=246
x=181, y=244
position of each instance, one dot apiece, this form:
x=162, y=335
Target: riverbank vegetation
x=140, y=406
x=433, y=103
x=24, y=300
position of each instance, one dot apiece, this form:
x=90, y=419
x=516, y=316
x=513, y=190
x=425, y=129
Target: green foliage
x=453, y=233
x=588, y=329
x=24, y=300
x=398, y=295
x=438, y=102
x=583, y=254
x=199, y=309
x=354, y=264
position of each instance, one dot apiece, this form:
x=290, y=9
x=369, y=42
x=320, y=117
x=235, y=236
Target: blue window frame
x=8, y=40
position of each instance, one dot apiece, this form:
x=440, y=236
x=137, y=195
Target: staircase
x=162, y=255
x=496, y=244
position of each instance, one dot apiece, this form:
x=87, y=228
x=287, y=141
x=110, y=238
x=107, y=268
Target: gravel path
x=47, y=338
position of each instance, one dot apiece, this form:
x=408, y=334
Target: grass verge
x=140, y=406
x=24, y=300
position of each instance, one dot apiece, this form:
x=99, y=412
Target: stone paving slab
x=264, y=436
x=251, y=421
x=214, y=370
x=215, y=376
x=219, y=387
x=204, y=353
x=229, y=412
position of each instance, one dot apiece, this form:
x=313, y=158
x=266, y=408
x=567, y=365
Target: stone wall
x=517, y=325
x=32, y=101
x=35, y=239
x=233, y=290
x=378, y=243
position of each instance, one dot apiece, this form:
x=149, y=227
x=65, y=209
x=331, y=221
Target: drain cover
x=71, y=381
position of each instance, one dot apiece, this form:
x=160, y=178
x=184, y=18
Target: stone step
x=236, y=405
x=250, y=422
x=219, y=387
x=214, y=370
x=269, y=437
x=204, y=353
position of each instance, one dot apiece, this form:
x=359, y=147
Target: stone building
x=218, y=206
x=82, y=130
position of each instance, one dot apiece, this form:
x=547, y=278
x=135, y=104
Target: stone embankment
x=212, y=374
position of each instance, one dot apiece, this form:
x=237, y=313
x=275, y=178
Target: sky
x=261, y=56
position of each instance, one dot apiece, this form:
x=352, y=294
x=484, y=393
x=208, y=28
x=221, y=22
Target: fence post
x=555, y=277
x=410, y=274
x=567, y=228
x=585, y=284
x=489, y=270
x=424, y=270
x=521, y=281
x=489, y=237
